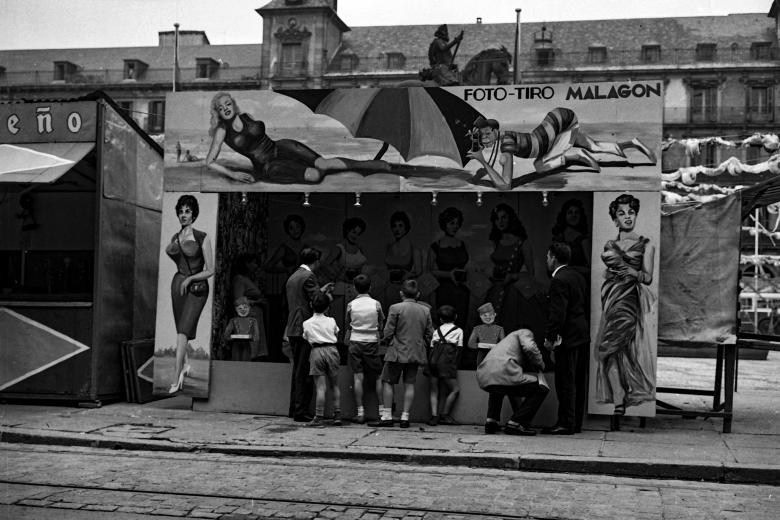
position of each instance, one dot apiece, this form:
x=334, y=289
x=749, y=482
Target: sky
x=46, y=24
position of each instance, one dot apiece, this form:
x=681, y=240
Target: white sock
x=404, y=416
x=360, y=410
x=385, y=413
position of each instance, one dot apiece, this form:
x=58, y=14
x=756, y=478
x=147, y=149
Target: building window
x=156, y=117
x=395, y=60
x=64, y=70
x=651, y=53
x=292, y=58
x=2, y=72
x=545, y=57
x=348, y=62
x=706, y=52
x=759, y=103
x=703, y=104
x=597, y=54
x=126, y=107
x=761, y=51
x=134, y=69
x=205, y=68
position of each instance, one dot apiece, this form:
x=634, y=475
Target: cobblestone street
x=45, y=482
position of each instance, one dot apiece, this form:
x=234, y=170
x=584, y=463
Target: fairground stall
x=80, y=194
x=460, y=188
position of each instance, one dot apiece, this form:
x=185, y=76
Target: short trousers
x=364, y=357
x=392, y=371
x=324, y=361
x=442, y=361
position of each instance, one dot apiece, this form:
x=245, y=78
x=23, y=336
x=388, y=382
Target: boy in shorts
x=365, y=320
x=322, y=332
x=443, y=364
x=408, y=331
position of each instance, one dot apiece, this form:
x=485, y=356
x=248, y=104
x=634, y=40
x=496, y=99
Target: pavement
x=670, y=447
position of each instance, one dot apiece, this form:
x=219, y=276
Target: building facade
x=721, y=73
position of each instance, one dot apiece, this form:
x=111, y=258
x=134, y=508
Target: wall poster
x=182, y=350
x=624, y=303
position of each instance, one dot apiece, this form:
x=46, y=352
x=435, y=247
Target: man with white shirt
x=301, y=288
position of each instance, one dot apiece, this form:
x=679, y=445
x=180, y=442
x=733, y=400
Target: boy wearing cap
x=242, y=332
x=485, y=336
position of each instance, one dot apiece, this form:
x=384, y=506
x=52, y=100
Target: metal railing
x=721, y=114
x=389, y=64
x=117, y=76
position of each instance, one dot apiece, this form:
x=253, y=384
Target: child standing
x=242, y=332
x=443, y=364
x=485, y=336
x=322, y=332
x=365, y=320
x=408, y=330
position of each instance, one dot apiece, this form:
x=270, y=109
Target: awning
x=39, y=162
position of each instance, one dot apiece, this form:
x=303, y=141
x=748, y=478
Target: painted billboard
x=571, y=137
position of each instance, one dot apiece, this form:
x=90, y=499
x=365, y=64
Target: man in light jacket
x=501, y=374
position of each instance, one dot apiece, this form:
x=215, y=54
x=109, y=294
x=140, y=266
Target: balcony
x=101, y=77
x=650, y=57
x=736, y=115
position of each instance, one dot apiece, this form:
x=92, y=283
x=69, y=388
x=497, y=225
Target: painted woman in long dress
x=625, y=374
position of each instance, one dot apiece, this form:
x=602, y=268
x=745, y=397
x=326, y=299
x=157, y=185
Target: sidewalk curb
x=730, y=473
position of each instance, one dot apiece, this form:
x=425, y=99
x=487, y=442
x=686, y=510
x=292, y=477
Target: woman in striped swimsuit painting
x=558, y=142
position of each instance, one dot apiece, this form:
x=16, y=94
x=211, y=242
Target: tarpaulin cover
x=39, y=162
x=699, y=273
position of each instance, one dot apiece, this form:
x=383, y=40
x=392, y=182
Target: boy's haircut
x=362, y=283
x=320, y=302
x=447, y=314
x=409, y=288
x=561, y=252
x=309, y=255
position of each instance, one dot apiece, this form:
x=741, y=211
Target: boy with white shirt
x=321, y=332
x=365, y=320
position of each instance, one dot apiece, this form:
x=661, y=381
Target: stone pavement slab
x=667, y=446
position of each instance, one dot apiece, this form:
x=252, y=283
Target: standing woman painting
x=571, y=228
x=402, y=258
x=191, y=250
x=512, y=253
x=447, y=259
x=624, y=363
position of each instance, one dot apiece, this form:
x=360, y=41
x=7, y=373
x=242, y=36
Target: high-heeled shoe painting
x=181, y=363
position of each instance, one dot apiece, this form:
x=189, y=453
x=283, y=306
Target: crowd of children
x=391, y=349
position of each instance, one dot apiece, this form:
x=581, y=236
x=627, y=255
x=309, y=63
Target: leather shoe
x=559, y=430
x=519, y=429
x=303, y=418
x=404, y=423
x=492, y=427
x=382, y=423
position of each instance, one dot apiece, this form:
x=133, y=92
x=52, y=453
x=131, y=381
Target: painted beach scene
x=410, y=139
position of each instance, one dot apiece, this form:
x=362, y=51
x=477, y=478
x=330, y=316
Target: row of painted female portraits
x=462, y=253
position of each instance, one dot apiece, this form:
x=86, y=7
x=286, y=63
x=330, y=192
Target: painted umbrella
x=417, y=121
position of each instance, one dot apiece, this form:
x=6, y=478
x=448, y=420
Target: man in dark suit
x=301, y=288
x=568, y=335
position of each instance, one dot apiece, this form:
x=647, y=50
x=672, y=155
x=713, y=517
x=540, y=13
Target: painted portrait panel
x=183, y=328
x=624, y=303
